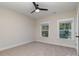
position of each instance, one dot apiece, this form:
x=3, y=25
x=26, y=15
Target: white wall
x=52, y=39
x=15, y=29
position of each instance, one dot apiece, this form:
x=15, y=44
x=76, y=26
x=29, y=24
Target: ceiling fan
x=37, y=9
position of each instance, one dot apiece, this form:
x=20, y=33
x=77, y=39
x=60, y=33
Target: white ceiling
x=26, y=7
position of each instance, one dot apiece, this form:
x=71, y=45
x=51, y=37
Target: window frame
x=65, y=21
x=43, y=23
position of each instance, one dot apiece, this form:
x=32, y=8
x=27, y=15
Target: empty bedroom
x=39, y=28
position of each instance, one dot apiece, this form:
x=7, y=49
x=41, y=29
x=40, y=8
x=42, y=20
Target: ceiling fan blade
x=35, y=5
x=43, y=9
x=32, y=11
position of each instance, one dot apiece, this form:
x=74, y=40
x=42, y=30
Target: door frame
x=77, y=29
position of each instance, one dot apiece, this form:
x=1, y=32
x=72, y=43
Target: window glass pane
x=68, y=26
x=65, y=34
x=45, y=27
x=45, y=33
x=61, y=26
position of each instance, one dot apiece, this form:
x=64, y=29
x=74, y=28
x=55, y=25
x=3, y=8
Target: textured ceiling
x=26, y=7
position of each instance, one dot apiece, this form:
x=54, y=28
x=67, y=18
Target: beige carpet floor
x=39, y=49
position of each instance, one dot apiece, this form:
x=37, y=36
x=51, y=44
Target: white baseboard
x=22, y=43
x=15, y=45
x=57, y=44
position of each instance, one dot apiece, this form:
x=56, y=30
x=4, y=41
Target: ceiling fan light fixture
x=37, y=10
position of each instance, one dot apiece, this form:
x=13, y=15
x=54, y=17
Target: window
x=65, y=30
x=44, y=30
